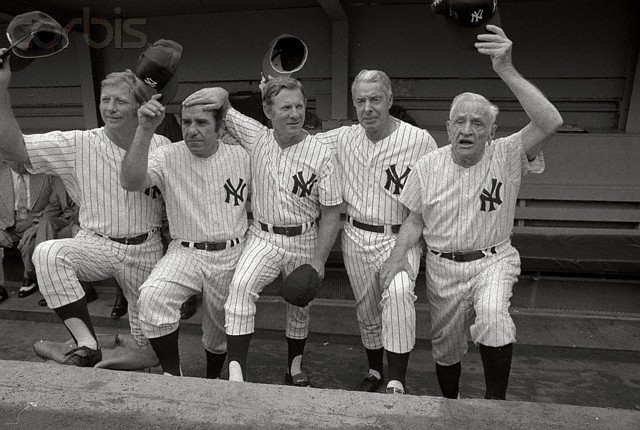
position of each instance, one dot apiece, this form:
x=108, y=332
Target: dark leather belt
x=134, y=240
x=372, y=228
x=465, y=257
x=211, y=246
x=285, y=231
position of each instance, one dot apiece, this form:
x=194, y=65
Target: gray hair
x=373, y=76
x=493, y=109
x=274, y=85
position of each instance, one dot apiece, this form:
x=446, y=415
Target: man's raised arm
x=545, y=118
x=11, y=142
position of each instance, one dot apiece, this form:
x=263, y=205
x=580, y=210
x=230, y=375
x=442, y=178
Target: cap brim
x=466, y=37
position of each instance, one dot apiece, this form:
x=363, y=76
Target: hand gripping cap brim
x=301, y=286
x=37, y=35
x=158, y=68
x=286, y=55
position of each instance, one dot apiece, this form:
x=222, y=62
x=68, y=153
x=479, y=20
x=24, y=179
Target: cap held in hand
x=158, y=68
x=301, y=286
x=465, y=19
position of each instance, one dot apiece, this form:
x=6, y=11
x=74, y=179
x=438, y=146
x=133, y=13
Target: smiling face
x=470, y=127
x=286, y=112
x=372, y=105
x=118, y=107
x=200, y=131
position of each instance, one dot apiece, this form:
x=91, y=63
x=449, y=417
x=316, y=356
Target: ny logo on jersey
x=394, y=179
x=236, y=192
x=301, y=187
x=153, y=192
x=491, y=198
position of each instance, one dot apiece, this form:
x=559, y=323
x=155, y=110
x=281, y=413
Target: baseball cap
x=466, y=19
x=285, y=56
x=35, y=34
x=158, y=68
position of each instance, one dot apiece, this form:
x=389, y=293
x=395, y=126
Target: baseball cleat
x=298, y=380
x=83, y=356
x=370, y=383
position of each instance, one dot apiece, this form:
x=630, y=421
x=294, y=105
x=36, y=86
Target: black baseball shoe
x=83, y=356
x=299, y=380
x=120, y=306
x=4, y=295
x=29, y=286
x=370, y=383
x=189, y=307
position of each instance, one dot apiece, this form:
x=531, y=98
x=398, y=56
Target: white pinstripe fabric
x=62, y=263
x=267, y=255
x=373, y=176
x=200, y=208
x=89, y=165
x=278, y=200
x=181, y=273
x=449, y=198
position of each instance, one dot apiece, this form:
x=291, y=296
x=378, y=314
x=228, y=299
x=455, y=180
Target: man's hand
x=28, y=236
x=212, y=99
x=151, y=114
x=6, y=241
x=497, y=46
x=5, y=70
x=395, y=264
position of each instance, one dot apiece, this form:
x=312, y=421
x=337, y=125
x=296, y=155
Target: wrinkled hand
x=28, y=236
x=5, y=239
x=151, y=114
x=391, y=267
x=497, y=46
x=5, y=69
x=212, y=99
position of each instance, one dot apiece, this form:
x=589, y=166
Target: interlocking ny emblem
x=492, y=198
x=236, y=192
x=395, y=180
x=301, y=187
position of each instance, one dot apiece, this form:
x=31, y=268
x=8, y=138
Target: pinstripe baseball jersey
x=471, y=208
x=374, y=173
x=288, y=184
x=205, y=197
x=89, y=165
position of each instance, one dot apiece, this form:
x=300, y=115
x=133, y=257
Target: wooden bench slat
x=577, y=214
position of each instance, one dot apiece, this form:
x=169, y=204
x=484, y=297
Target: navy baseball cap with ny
x=465, y=19
x=158, y=68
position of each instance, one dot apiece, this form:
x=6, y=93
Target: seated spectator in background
x=24, y=200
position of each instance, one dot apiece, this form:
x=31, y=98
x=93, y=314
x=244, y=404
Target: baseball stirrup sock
x=237, y=350
x=294, y=355
x=449, y=379
x=497, y=366
x=214, y=364
x=166, y=348
x=397, y=364
x=375, y=357
x=76, y=319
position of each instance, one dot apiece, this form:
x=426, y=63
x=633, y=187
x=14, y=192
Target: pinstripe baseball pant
x=181, y=273
x=266, y=255
x=387, y=318
x=62, y=263
x=475, y=293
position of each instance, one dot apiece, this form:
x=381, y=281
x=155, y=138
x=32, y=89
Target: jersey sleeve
x=155, y=167
x=53, y=153
x=244, y=128
x=329, y=138
x=330, y=183
x=518, y=156
x=411, y=195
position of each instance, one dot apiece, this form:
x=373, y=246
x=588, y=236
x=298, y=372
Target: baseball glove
x=301, y=286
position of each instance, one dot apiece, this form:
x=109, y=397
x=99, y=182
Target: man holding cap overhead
x=119, y=234
x=462, y=200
